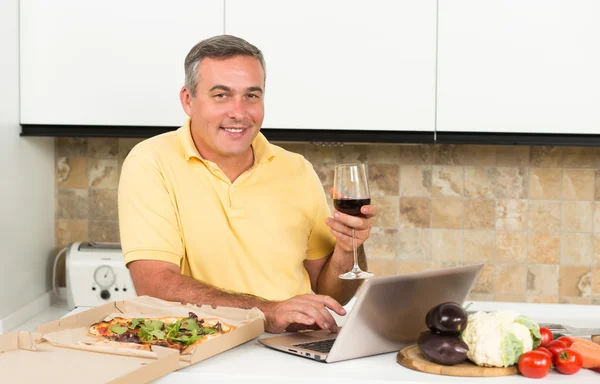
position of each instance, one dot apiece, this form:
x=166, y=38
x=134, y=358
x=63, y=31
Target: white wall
x=26, y=185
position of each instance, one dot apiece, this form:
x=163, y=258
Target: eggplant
x=446, y=319
x=443, y=349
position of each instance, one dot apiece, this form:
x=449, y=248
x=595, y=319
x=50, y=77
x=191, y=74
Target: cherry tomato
x=546, y=336
x=566, y=340
x=545, y=350
x=534, y=364
x=568, y=361
x=555, y=347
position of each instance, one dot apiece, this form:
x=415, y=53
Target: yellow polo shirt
x=248, y=236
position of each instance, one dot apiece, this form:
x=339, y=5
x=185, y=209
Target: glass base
x=355, y=275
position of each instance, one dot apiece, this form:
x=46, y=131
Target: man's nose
x=237, y=109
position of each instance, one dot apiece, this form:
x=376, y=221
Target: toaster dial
x=104, y=276
x=105, y=294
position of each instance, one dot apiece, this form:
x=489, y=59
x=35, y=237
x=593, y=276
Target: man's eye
x=253, y=96
x=220, y=96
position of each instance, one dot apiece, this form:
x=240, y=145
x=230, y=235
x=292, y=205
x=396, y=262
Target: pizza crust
x=117, y=344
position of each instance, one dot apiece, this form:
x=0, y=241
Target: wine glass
x=351, y=192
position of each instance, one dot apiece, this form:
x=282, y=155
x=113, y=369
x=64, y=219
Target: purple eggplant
x=446, y=319
x=443, y=349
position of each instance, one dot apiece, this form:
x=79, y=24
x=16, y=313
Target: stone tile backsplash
x=531, y=214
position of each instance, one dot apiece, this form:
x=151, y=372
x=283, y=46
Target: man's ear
x=186, y=100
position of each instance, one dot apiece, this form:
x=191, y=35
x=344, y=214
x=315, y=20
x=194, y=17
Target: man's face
x=228, y=109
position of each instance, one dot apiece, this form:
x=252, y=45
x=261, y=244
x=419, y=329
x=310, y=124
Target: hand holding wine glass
x=350, y=193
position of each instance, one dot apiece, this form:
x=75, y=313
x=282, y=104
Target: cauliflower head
x=498, y=339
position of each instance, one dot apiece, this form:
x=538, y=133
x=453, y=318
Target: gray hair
x=217, y=47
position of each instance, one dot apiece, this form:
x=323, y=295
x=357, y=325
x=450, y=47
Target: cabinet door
x=528, y=66
x=109, y=62
x=343, y=64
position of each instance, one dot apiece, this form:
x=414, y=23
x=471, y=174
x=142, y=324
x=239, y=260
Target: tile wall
x=531, y=214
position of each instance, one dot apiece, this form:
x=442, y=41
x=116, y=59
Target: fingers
x=284, y=318
x=344, y=241
x=330, y=303
x=315, y=311
x=328, y=320
x=356, y=222
x=369, y=211
x=295, y=327
x=360, y=233
x=308, y=311
x=343, y=234
x=339, y=227
x=299, y=318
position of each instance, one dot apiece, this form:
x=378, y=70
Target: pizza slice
x=181, y=333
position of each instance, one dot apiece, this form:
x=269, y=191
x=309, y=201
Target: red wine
x=350, y=206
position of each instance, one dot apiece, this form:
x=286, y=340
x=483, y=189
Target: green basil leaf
x=173, y=329
x=154, y=324
x=193, y=338
x=182, y=338
x=144, y=334
x=187, y=339
x=117, y=329
x=135, y=323
x=160, y=335
x=209, y=330
x=190, y=325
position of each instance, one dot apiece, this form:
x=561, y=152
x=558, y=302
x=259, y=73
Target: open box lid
x=26, y=358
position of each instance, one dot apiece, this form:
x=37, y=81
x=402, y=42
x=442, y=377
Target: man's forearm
x=173, y=286
x=329, y=282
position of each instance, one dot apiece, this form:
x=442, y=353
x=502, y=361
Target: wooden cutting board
x=411, y=357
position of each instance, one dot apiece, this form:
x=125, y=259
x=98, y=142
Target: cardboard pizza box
x=57, y=352
x=26, y=358
x=72, y=331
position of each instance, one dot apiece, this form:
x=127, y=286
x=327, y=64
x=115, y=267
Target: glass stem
x=355, y=268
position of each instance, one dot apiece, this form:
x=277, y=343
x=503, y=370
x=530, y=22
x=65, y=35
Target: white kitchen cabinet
x=527, y=66
x=343, y=64
x=109, y=62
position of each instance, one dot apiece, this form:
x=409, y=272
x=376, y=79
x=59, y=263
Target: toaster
x=96, y=274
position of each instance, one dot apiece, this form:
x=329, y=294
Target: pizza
x=181, y=333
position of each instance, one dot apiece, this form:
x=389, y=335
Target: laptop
x=389, y=314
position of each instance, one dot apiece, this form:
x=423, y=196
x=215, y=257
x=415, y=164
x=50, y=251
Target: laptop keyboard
x=322, y=346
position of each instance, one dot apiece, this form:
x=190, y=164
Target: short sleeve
x=148, y=220
x=320, y=242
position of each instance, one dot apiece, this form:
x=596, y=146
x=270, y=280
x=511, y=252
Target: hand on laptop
x=301, y=312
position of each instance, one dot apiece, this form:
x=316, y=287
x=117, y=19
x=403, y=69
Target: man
x=214, y=214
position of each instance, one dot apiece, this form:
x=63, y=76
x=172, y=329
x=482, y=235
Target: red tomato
x=546, y=336
x=555, y=347
x=534, y=364
x=545, y=350
x=566, y=340
x=568, y=361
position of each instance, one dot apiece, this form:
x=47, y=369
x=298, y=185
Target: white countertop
x=254, y=363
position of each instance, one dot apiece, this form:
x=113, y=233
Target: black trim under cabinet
x=273, y=134
x=92, y=130
x=350, y=136
x=332, y=136
x=572, y=140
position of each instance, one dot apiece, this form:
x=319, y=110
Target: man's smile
x=235, y=130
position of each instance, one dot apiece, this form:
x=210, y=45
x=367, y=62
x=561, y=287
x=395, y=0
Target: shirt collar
x=186, y=142
x=263, y=151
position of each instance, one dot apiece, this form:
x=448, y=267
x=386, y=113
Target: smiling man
x=214, y=214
